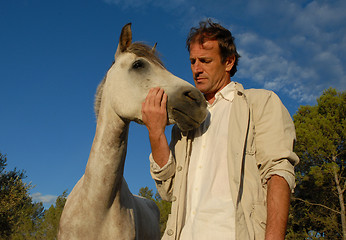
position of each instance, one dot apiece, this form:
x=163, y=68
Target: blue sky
x=53, y=54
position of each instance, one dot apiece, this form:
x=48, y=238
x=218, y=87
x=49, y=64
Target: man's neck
x=210, y=97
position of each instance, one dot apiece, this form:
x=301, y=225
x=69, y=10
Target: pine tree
x=19, y=216
x=318, y=205
x=164, y=206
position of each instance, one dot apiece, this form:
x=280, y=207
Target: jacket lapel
x=238, y=128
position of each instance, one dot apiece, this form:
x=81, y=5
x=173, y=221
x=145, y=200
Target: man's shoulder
x=257, y=92
x=259, y=95
x=252, y=92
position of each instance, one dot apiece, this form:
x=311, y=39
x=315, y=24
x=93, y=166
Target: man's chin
x=201, y=87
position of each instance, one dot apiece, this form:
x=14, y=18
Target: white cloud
x=300, y=53
x=184, y=12
x=273, y=67
x=45, y=199
x=296, y=47
x=144, y=4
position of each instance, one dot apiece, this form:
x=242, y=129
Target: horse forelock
x=140, y=50
x=145, y=51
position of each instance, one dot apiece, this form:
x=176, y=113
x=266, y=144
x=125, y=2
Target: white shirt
x=210, y=210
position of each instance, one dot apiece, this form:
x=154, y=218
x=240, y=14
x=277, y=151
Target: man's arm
x=154, y=116
x=278, y=201
x=275, y=136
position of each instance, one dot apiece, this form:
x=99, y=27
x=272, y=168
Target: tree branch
x=344, y=188
x=315, y=204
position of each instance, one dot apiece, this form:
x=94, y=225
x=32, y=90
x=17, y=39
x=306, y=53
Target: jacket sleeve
x=274, y=138
x=164, y=177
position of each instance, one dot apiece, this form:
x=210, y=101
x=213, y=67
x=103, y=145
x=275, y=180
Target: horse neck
x=104, y=171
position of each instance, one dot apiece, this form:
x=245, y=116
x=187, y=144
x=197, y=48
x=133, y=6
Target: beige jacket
x=260, y=144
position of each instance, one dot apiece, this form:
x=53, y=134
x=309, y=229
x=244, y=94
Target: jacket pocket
x=259, y=219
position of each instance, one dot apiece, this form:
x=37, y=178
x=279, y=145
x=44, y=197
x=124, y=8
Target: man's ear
x=229, y=63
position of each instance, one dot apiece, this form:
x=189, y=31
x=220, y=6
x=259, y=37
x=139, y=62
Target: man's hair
x=208, y=30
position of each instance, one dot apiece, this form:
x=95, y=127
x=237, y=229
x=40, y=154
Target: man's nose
x=196, y=67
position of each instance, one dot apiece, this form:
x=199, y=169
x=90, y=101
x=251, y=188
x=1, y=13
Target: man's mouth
x=198, y=79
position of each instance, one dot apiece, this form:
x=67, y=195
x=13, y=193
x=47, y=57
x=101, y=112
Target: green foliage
x=164, y=206
x=318, y=202
x=321, y=130
x=146, y=193
x=20, y=218
x=50, y=224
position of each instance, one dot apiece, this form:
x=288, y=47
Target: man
x=231, y=178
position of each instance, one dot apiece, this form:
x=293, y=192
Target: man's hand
x=154, y=116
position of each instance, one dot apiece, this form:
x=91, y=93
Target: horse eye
x=138, y=64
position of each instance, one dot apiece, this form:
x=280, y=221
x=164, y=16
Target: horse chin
x=139, y=121
x=184, y=121
x=186, y=127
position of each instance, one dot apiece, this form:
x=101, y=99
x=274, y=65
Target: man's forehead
x=207, y=44
x=210, y=47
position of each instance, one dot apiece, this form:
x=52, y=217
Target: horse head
x=137, y=69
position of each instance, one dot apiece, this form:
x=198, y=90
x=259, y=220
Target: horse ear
x=154, y=48
x=125, y=38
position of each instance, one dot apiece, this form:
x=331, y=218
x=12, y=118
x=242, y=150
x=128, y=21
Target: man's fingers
x=154, y=97
x=158, y=97
x=164, y=101
x=154, y=113
x=151, y=96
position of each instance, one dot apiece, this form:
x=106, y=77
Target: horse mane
x=140, y=50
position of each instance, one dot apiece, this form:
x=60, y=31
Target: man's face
x=209, y=73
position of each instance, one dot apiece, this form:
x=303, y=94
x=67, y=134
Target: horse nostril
x=190, y=95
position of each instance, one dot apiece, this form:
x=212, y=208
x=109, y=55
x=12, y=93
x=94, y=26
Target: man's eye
x=138, y=64
x=192, y=61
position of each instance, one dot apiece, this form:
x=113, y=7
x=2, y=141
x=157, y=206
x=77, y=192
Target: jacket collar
x=239, y=88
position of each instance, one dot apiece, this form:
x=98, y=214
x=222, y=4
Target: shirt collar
x=226, y=93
